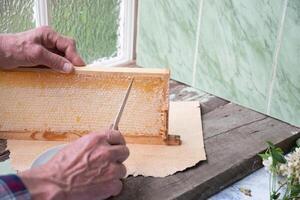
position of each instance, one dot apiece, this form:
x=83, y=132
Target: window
x=103, y=29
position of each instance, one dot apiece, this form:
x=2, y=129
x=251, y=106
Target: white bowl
x=46, y=155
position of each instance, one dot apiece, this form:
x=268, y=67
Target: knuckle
x=36, y=52
x=44, y=29
x=117, y=135
x=123, y=170
x=93, y=135
x=121, y=137
x=72, y=42
x=96, y=134
x=108, y=135
x=113, y=168
x=118, y=170
x=88, y=139
x=126, y=151
x=108, y=131
x=116, y=132
x=56, y=62
x=106, y=154
x=117, y=187
x=100, y=137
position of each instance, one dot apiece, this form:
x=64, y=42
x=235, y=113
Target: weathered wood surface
x=233, y=137
x=181, y=92
x=4, y=153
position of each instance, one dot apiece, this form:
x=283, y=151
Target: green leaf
x=295, y=190
x=277, y=157
x=298, y=142
x=279, y=150
x=275, y=195
x=271, y=145
x=264, y=156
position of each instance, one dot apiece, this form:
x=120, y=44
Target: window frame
x=126, y=31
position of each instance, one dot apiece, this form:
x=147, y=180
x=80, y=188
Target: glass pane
x=16, y=15
x=92, y=23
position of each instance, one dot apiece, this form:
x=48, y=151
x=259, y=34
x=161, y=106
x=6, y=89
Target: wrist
x=40, y=184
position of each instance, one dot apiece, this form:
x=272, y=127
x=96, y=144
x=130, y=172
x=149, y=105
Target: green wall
x=246, y=51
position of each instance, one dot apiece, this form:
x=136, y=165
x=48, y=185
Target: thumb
x=56, y=62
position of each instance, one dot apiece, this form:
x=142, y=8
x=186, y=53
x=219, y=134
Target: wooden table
x=233, y=136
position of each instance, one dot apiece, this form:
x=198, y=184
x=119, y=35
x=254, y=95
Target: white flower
x=292, y=167
x=268, y=163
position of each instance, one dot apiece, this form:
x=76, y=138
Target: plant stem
x=270, y=190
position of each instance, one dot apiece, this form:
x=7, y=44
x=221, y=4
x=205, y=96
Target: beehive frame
x=39, y=104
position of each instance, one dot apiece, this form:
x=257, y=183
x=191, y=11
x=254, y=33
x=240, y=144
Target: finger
x=68, y=46
x=114, y=137
x=55, y=61
x=53, y=40
x=116, y=171
x=118, y=153
x=115, y=187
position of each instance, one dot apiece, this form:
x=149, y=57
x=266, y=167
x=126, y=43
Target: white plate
x=46, y=155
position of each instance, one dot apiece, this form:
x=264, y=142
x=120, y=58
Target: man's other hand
x=40, y=46
x=89, y=168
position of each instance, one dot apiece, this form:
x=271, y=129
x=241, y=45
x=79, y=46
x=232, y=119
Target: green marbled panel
x=167, y=36
x=236, y=47
x=285, y=102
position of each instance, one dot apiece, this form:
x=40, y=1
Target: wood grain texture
x=48, y=105
x=4, y=153
x=228, y=117
x=233, y=136
x=231, y=155
x=182, y=92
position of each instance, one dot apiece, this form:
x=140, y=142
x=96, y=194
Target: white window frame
x=126, y=31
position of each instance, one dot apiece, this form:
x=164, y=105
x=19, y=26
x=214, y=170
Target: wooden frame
x=39, y=104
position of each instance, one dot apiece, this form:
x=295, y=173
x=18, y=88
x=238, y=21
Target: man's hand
x=89, y=168
x=40, y=46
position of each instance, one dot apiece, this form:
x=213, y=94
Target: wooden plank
x=183, y=92
x=4, y=154
x=231, y=155
x=210, y=103
x=228, y=117
x=234, y=155
x=40, y=103
x=3, y=145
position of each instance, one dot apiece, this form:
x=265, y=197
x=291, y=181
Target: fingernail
x=68, y=68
